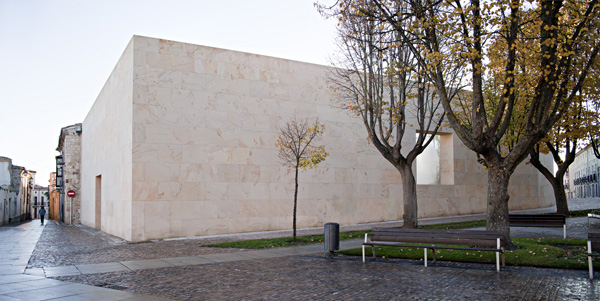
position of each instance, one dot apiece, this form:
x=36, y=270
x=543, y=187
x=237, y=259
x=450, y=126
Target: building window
x=435, y=166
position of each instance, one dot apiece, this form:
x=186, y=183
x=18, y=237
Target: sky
x=56, y=55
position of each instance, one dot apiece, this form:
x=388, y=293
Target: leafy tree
x=296, y=150
x=595, y=138
x=380, y=81
x=595, y=143
x=565, y=136
x=540, y=74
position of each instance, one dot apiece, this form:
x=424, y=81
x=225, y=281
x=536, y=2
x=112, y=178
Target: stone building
x=584, y=175
x=16, y=185
x=68, y=175
x=181, y=142
x=40, y=199
x=54, y=199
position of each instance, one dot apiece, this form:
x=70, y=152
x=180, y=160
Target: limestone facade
x=69, y=146
x=181, y=142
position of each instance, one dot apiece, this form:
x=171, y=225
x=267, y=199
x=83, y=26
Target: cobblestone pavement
x=319, y=277
x=62, y=245
x=309, y=277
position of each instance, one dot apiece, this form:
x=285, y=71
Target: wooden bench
x=593, y=244
x=594, y=214
x=437, y=239
x=539, y=220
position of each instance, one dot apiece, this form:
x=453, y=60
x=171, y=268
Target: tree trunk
x=497, y=207
x=409, y=188
x=562, y=207
x=295, y=202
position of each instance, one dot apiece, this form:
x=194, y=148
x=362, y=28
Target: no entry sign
x=71, y=193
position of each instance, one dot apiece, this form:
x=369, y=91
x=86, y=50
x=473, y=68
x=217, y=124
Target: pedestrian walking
x=42, y=212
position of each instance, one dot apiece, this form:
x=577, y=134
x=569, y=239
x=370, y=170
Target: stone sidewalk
x=16, y=246
x=133, y=265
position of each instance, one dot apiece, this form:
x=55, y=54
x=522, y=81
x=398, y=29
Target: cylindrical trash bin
x=332, y=237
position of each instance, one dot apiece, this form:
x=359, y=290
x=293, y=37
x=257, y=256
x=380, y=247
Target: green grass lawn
x=541, y=252
x=285, y=241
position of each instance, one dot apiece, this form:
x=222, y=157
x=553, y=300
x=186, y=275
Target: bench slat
x=476, y=240
x=531, y=219
x=439, y=235
x=439, y=232
x=536, y=224
x=435, y=240
x=430, y=247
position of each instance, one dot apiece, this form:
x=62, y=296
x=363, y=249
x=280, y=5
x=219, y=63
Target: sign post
x=71, y=194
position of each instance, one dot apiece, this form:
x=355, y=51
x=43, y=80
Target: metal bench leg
x=498, y=255
x=425, y=256
x=503, y=261
x=433, y=252
x=363, y=247
x=565, y=231
x=591, y=266
x=373, y=251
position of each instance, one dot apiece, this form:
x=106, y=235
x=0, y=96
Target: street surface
x=62, y=262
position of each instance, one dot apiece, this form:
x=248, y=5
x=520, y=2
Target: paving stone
x=101, y=268
x=36, y=272
x=187, y=260
x=146, y=264
x=345, y=277
x=61, y=271
x=261, y=254
x=225, y=257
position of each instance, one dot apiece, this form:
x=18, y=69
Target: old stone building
x=16, y=185
x=181, y=142
x=54, y=199
x=68, y=175
x=40, y=199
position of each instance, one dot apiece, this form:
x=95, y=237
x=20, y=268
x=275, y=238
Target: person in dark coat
x=42, y=212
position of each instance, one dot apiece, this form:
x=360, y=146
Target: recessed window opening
x=428, y=163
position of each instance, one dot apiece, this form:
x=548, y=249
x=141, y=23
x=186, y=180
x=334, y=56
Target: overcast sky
x=55, y=55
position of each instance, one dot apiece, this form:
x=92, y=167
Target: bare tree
x=296, y=150
x=378, y=79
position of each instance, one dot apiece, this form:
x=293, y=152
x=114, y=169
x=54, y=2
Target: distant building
x=181, y=142
x=584, y=175
x=16, y=197
x=40, y=199
x=68, y=167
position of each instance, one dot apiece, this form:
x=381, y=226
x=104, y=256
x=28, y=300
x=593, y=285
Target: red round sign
x=71, y=193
